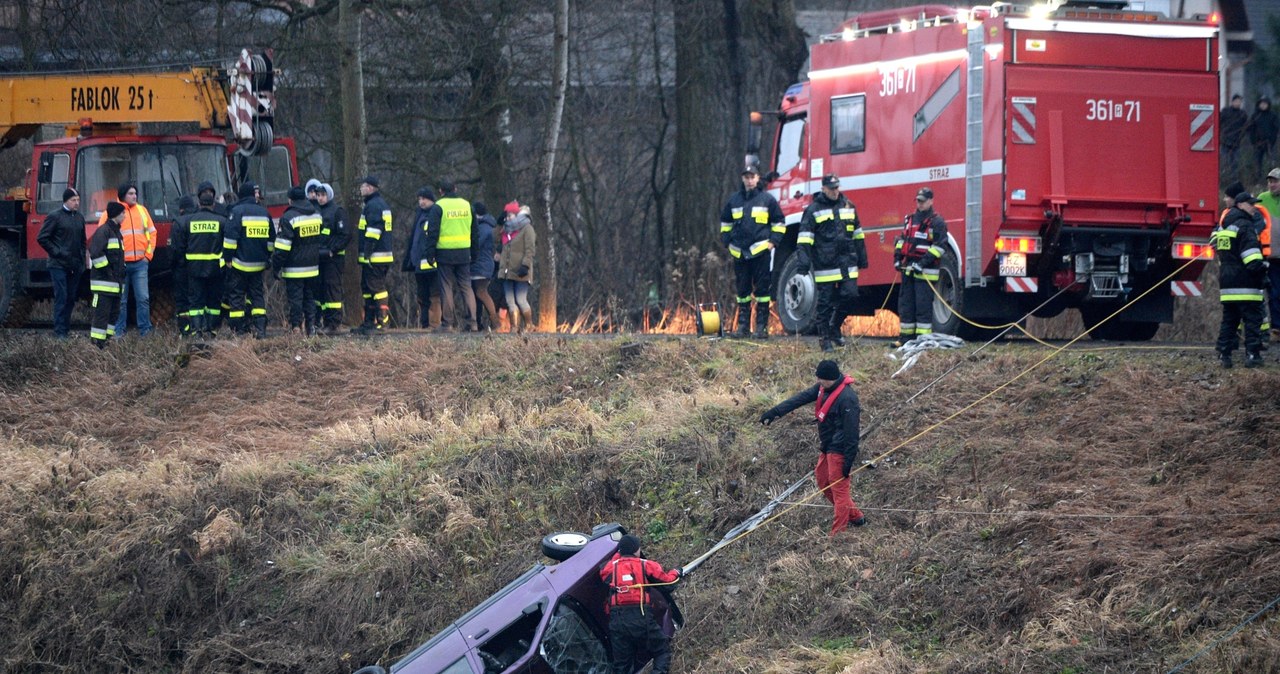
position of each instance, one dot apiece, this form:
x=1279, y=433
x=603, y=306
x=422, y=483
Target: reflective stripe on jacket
x=1241, y=270
x=137, y=232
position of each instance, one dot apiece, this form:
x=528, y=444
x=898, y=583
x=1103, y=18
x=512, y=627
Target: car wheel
x=562, y=545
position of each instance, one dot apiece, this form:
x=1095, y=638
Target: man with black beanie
x=425, y=270
x=632, y=622
x=62, y=237
x=247, y=247
x=197, y=239
x=296, y=260
x=106, y=274
x=376, y=257
x=839, y=416
x=451, y=244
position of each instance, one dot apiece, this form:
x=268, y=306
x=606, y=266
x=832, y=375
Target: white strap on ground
x=910, y=352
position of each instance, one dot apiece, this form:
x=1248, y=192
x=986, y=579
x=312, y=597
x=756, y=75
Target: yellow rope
x=966, y=408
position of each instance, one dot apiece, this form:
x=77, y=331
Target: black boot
x=762, y=320
x=260, y=327
x=744, y=321
x=826, y=344
x=1225, y=358
x=1253, y=359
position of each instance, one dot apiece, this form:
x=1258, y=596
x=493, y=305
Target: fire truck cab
x=1072, y=151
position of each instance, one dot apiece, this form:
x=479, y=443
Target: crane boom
x=239, y=99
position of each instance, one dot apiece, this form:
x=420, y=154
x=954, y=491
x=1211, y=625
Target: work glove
x=915, y=267
x=802, y=268
x=523, y=271
x=768, y=417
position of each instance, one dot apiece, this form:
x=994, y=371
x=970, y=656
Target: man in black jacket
x=1241, y=276
x=838, y=414
x=376, y=257
x=106, y=274
x=333, y=256
x=197, y=240
x=296, y=259
x=425, y=271
x=832, y=245
x=247, y=249
x=62, y=237
x=451, y=245
x=751, y=226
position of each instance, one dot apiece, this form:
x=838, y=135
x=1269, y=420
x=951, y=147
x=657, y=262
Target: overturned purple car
x=550, y=620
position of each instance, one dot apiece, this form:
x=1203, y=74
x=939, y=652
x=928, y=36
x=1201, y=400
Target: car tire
x=562, y=545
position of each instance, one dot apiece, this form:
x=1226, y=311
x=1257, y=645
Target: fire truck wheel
x=797, y=298
x=949, y=284
x=15, y=305
x=562, y=545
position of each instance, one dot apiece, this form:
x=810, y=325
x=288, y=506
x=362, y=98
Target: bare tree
x=354, y=137
x=546, y=249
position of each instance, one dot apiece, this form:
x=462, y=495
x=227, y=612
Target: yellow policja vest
x=455, y=223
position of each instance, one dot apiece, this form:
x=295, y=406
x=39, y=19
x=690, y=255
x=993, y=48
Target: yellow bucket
x=709, y=321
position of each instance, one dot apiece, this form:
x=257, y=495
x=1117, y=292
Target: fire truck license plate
x=1013, y=264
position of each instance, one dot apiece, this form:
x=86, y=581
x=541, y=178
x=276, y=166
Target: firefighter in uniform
x=375, y=256
x=248, y=245
x=334, y=238
x=917, y=253
x=1241, y=276
x=296, y=260
x=197, y=239
x=106, y=274
x=632, y=626
x=751, y=225
x=831, y=244
x=839, y=415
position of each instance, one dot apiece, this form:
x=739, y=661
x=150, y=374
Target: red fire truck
x=1071, y=148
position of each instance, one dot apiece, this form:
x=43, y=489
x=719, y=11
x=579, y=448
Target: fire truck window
x=55, y=170
x=790, y=142
x=273, y=175
x=848, y=124
x=100, y=170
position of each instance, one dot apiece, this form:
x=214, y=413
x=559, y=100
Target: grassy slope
x=317, y=506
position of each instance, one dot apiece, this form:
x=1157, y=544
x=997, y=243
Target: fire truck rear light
x=1018, y=244
x=1184, y=249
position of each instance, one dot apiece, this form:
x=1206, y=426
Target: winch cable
x=1219, y=640
x=760, y=516
x=766, y=515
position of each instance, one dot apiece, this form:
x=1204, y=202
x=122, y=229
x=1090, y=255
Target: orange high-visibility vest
x=137, y=232
x=1265, y=237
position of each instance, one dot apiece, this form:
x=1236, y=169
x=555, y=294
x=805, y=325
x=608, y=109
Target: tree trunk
x=546, y=254
x=732, y=57
x=354, y=148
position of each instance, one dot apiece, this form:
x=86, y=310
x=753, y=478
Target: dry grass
x=315, y=506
